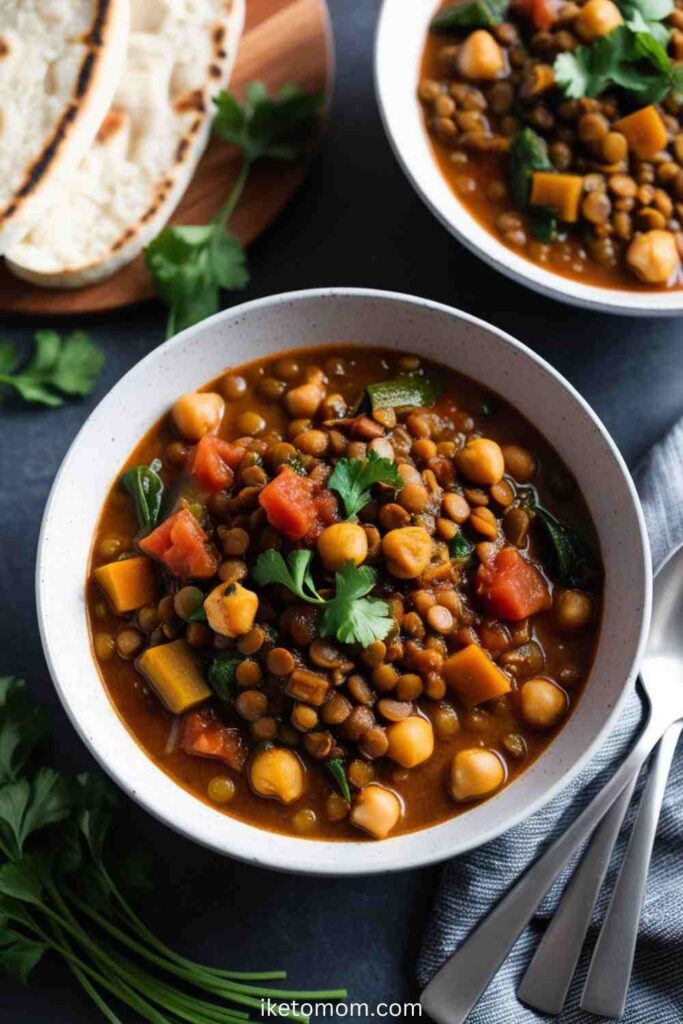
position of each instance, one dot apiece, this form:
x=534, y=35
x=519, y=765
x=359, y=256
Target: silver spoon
x=457, y=986
x=609, y=975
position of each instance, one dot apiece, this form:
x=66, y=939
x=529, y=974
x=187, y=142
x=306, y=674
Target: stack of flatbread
x=105, y=110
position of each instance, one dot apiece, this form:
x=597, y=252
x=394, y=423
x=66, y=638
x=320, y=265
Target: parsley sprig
x=191, y=264
x=58, y=369
x=353, y=478
x=59, y=896
x=632, y=57
x=350, y=616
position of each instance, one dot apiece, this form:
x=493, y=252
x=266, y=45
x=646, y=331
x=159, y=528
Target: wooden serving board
x=283, y=41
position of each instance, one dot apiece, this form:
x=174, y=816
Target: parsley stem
x=218, y=986
x=228, y=208
x=144, y=933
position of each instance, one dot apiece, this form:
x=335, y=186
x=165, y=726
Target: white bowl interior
x=400, y=43
x=310, y=318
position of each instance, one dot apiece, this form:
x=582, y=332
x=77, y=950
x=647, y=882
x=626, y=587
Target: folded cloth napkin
x=472, y=884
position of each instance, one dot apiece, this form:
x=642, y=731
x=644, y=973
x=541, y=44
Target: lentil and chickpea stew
x=344, y=589
x=558, y=125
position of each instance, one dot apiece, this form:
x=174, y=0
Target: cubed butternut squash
x=644, y=131
x=129, y=584
x=474, y=677
x=173, y=673
x=559, y=193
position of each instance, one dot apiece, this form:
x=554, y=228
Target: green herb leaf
x=336, y=768
x=23, y=724
x=19, y=955
x=404, y=391
x=474, y=14
x=460, y=548
x=190, y=265
x=529, y=153
x=630, y=56
x=352, y=617
x=651, y=13
x=57, y=369
x=353, y=478
x=279, y=127
x=146, y=487
x=96, y=802
x=26, y=807
x=221, y=676
x=295, y=573
x=576, y=561
x=21, y=881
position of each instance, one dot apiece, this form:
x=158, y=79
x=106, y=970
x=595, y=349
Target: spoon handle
x=549, y=975
x=608, y=979
x=458, y=985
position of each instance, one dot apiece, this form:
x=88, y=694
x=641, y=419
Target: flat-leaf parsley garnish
x=353, y=478
x=350, y=615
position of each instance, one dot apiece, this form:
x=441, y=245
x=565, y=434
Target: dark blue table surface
x=355, y=222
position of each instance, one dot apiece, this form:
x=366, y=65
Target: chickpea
x=303, y=401
x=543, y=703
x=277, y=774
x=413, y=497
x=480, y=57
x=474, y=773
x=231, y=609
x=342, y=543
x=597, y=18
x=519, y=463
x=481, y=461
x=407, y=551
x=572, y=610
x=653, y=256
x=198, y=413
x=376, y=810
x=411, y=741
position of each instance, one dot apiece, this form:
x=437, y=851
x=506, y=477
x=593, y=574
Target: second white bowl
x=401, y=37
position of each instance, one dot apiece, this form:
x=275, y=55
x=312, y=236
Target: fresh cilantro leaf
x=630, y=57
x=277, y=127
x=352, y=617
x=57, y=369
x=295, y=573
x=146, y=487
x=353, y=478
x=336, y=768
x=651, y=13
x=190, y=264
x=23, y=724
x=19, y=955
x=221, y=676
x=26, y=807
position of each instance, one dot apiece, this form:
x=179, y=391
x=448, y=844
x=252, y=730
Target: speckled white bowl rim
x=323, y=316
x=401, y=34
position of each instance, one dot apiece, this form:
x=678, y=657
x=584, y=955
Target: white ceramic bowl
x=401, y=36
x=262, y=328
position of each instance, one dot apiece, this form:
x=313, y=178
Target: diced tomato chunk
x=204, y=735
x=542, y=13
x=326, y=513
x=289, y=504
x=183, y=547
x=511, y=587
x=212, y=462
